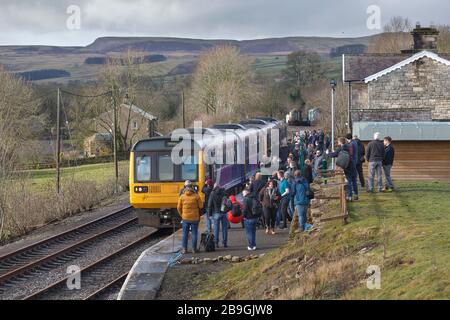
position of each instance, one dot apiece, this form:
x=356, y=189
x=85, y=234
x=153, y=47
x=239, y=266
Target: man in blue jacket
x=301, y=200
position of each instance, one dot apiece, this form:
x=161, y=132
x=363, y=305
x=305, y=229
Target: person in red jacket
x=236, y=207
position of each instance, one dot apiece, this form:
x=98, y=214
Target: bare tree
x=222, y=84
x=120, y=77
x=398, y=24
x=396, y=37
x=16, y=108
x=444, y=39
x=304, y=68
x=319, y=96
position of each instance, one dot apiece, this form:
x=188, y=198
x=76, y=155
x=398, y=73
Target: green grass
x=405, y=233
x=417, y=220
x=95, y=172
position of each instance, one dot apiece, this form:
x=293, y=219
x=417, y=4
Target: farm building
x=405, y=96
x=133, y=122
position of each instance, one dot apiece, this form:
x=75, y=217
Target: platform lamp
x=333, y=85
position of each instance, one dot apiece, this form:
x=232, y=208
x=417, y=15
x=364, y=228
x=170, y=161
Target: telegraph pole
x=58, y=142
x=182, y=105
x=116, y=165
x=333, y=91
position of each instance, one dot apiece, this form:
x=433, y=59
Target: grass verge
x=405, y=233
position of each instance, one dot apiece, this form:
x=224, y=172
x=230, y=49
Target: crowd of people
x=271, y=202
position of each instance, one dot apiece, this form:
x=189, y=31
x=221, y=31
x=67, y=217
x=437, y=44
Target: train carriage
x=225, y=153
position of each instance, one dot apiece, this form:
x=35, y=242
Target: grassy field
x=272, y=66
x=95, y=172
x=405, y=233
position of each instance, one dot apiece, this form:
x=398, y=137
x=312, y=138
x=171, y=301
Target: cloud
x=32, y=22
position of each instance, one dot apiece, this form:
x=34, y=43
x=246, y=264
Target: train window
x=189, y=169
x=165, y=166
x=143, y=168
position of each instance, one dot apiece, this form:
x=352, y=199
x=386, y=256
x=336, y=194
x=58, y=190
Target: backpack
x=257, y=209
x=207, y=241
x=309, y=193
x=236, y=210
x=226, y=204
x=343, y=159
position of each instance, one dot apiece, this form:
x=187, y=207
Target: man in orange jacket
x=189, y=206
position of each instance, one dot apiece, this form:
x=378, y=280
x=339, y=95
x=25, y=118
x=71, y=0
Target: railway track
x=35, y=260
x=102, y=278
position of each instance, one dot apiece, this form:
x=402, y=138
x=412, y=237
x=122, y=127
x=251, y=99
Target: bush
x=28, y=209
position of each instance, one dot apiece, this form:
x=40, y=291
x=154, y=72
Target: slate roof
x=358, y=67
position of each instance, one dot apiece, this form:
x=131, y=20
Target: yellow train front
x=156, y=182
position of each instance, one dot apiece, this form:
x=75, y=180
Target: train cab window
x=189, y=169
x=165, y=166
x=143, y=168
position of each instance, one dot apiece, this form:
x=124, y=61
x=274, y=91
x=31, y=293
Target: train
x=225, y=153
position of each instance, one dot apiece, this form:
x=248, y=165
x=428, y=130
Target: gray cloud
x=44, y=22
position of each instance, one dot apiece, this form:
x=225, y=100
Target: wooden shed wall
x=420, y=160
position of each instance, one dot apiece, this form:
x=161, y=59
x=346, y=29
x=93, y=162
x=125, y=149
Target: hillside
x=181, y=54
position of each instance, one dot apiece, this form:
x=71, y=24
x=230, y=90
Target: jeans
x=220, y=218
x=193, y=227
x=208, y=222
x=375, y=166
x=278, y=217
x=387, y=175
x=284, y=210
x=250, y=230
x=301, y=211
x=350, y=174
x=270, y=217
x=359, y=169
x=291, y=209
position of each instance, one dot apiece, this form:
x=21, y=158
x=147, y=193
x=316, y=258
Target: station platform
x=160, y=273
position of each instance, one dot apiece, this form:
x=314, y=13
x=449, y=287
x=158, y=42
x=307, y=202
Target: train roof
x=267, y=119
x=254, y=121
x=225, y=126
x=220, y=133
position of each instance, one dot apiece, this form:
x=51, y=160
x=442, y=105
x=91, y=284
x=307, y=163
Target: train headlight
x=140, y=189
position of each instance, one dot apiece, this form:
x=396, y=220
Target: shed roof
x=357, y=67
x=404, y=131
x=405, y=62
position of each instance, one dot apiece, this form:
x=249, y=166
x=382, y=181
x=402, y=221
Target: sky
x=57, y=22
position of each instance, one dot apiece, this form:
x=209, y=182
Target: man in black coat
x=360, y=161
x=388, y=162
x=375, y=156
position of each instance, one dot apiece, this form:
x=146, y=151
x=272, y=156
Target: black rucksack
x=236, y=210
x=226, y=204
x=343, y=159
x=207, y=241
x=257, y=209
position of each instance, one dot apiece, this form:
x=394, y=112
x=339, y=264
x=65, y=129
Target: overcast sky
x=45, y=21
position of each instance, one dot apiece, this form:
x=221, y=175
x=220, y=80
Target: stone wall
x=419, y=91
